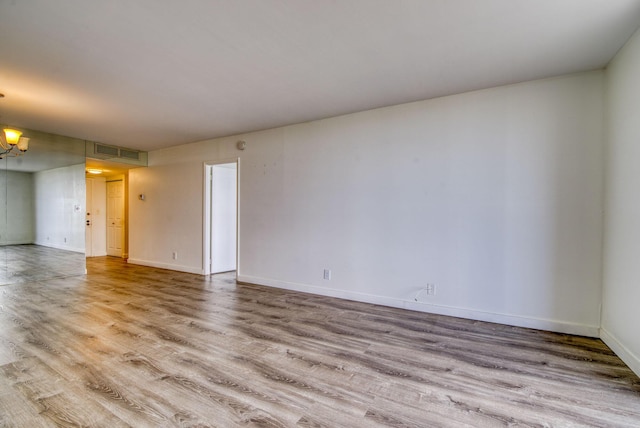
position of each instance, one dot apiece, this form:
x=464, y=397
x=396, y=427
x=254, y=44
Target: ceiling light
x=12, y=136
x=94, y=171
x=12, y=139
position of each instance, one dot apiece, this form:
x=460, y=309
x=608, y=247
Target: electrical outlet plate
x=327, y=274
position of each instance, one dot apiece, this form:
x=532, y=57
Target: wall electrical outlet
x=327, y=274
x=429, y=290
x=175, y=255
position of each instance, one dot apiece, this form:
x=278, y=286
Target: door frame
x=206, y=214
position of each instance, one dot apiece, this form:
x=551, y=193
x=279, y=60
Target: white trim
x=168, y=266
x=61, y=247
x=507, y=319
x=625, y=354
x=237, y=217
x=206, y=219
x=98, y=255
x=18, y=243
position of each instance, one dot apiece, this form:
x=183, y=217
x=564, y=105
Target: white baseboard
x=3, y=243
x=514, y=320
x=60, y=247
x=630, y=359
x=98, y=255
x=169, y=266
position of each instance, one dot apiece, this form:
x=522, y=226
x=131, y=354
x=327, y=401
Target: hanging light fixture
x=12, y=139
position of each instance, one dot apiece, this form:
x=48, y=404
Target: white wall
x=169, y=219
x=60, y=207
x=16, y=203
x=495, y=196
x=621, y=294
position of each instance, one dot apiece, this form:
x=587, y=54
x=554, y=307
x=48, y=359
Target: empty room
x=320, y=214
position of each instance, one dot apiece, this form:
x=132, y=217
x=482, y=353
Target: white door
x=115, y=217
x=88, y=243
x=96, y=229
x=223, y=217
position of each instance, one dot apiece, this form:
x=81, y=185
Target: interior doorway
x=221, y=217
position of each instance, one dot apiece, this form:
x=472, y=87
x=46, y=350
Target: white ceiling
x=148, y=74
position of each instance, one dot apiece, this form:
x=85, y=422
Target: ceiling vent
x=129, y=154
x=116, y=154
x=110, y=151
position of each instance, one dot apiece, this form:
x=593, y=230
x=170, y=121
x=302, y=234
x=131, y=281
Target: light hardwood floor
x=134, y=346
x=27, y=263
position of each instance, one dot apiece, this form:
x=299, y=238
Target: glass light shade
x=23, y=144
x=12, y=136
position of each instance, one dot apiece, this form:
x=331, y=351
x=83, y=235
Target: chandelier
x=12, y=143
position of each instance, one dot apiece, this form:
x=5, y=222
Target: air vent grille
x=107, y=150
x=129, y=154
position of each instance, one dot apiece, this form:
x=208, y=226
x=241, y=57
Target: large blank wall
x=621, y=315
x=494, y=196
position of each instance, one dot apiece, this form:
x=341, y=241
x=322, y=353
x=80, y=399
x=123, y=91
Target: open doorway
x=221, y=217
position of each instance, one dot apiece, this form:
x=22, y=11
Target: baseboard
x=3, y=243
x=169, y=266
x=98, y=255
x=60, y=247
x=630, y=359
x=508, y=319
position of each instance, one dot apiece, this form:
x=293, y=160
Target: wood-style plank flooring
x=134, y=346
x=28, y=262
